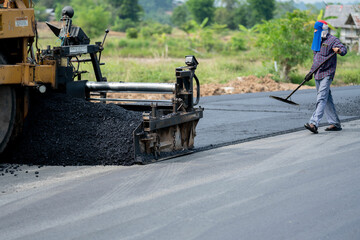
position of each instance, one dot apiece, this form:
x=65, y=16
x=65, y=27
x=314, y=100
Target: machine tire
x=7, y=115
x=2, y=60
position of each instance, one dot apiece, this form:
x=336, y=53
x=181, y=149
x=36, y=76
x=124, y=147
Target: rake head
x=284, y=100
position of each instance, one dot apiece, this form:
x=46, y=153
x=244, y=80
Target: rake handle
x=295, y=89
x=317, y=68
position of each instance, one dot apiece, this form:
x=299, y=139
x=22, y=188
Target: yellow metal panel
x=27, y=74
x=17, y=23
x=45, y=74
x=10, y=74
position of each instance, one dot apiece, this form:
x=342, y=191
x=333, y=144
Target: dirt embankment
x=249, y=84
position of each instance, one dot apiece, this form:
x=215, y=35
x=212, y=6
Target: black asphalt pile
x=61, y=130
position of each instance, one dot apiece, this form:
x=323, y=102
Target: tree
x=125, y=9
x=151, y=6
x=157, y=10
x=115, y=4
x=129, y=9
x=232, y=13
x=180, y=15
x=287, y=40
x=260, y=10
x=241, y=15
x=201, y=9
x=284, y=7
x=40, y=13
x=222, y=16
x=155, y=5
x=229, y=4
x=90, y=16
x=125, y=14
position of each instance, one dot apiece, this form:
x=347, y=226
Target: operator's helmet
x=67, y=12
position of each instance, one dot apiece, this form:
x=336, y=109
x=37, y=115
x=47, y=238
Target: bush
x=155, y=28
x=161, y=28
x=121, y=25
x=122, y=43
x=131, y=33
x=138, y=43
x=237, y=43
x=146, y=32
x=350, y=76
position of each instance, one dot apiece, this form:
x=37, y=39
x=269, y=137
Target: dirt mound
x=61, y=130
x=249, y=84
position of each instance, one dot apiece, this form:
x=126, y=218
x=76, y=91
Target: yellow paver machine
x=167, y=126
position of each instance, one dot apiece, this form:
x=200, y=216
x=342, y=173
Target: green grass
x=348, y=76
x=214, y=70
x=348, y=69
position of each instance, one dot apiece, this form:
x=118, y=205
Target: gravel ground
x=61, y=130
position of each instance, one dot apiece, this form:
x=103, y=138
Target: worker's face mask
x=321, y=30
x=324, y=31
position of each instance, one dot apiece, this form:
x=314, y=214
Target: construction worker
x=324, y=44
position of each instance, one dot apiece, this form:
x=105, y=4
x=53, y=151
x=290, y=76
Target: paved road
x=237, y=117
x=293, y=186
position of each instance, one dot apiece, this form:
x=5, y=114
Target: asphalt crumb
x=12, y=169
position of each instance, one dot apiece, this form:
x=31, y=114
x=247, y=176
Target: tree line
x=283, y=32
x=123, y=14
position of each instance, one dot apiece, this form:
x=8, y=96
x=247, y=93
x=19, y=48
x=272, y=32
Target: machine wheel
x=2, y=59
x=7, y=115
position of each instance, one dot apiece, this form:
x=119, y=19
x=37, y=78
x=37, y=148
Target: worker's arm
x=339, y=48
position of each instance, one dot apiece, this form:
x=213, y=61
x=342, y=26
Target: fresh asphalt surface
x=291, y=186
x=234, y=118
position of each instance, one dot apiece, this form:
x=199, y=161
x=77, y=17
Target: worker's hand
x=337, y=50
x=308, y=76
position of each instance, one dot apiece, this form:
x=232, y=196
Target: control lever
x=106, y=33
x=102, y=44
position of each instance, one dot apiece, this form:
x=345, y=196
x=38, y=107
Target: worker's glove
x=308, y=76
